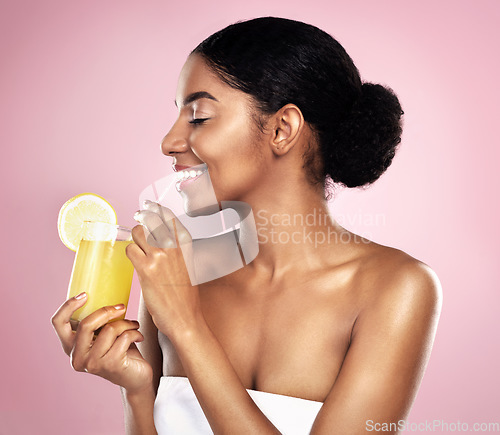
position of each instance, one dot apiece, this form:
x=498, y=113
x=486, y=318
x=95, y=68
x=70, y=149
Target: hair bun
x=366, y=140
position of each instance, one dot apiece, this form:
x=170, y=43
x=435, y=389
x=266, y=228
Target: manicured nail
x=81, y=295
x=137, y=216
x=119, y=307
x=146, y=202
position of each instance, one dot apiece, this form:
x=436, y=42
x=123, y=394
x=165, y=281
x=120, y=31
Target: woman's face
x=214, y=127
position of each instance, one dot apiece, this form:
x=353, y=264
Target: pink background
x=86, y=94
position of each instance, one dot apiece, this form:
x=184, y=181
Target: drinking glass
x=101, y=269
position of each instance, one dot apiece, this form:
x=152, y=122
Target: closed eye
x=198, y=121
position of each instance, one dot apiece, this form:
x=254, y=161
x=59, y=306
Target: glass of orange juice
x=101, y=268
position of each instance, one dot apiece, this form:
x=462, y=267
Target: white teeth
x=184, y=175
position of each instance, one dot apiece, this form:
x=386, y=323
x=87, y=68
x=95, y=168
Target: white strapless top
x=177, y=410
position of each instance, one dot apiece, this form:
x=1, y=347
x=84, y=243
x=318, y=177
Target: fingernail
x=137, y=216
x=147, y=202
x=119, y=307
x=81, y=295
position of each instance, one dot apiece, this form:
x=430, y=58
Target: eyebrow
x=196, y=96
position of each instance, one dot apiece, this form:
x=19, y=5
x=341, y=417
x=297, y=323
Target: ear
x=287, y=124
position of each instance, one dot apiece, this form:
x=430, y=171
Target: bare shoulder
x=391, y=340
x=393, y=278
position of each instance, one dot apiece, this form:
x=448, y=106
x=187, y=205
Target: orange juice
x=103, y=271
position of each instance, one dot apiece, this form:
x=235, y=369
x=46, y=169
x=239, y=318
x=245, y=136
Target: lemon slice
x=81, y=208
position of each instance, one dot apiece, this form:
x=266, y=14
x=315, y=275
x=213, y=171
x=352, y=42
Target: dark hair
x=279, y=61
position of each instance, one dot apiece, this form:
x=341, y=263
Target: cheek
x=233, y=153
x=229, y=142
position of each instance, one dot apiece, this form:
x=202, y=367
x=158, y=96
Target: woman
x=323, y=328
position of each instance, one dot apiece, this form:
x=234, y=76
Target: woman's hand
x=112, y=354
x=161, y=255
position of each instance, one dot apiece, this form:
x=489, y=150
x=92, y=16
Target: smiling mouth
x=188, y=176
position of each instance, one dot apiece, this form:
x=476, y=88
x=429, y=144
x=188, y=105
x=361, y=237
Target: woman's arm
x=111, y=355
x=175, y=310
x=138, y=411
x=390, y=347
x=225, y=402
x=138, y=407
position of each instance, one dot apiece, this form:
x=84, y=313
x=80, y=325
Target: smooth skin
x=347, y=322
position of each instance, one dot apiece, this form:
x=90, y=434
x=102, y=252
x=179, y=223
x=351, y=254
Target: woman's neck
x=294, y=229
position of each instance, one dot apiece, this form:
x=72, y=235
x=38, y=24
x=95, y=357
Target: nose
x=174, y=142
